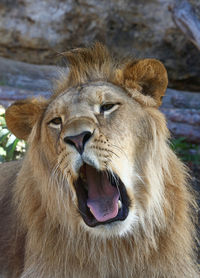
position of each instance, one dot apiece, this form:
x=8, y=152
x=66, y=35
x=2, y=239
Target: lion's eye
x=106, y=107
x=56, y=122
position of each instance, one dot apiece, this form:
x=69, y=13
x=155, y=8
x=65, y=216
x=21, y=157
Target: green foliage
x=188, y=152
x=10, y=147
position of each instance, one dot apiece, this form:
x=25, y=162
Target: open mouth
x=102, y=197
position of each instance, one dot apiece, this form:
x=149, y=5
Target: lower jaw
x=113, y=230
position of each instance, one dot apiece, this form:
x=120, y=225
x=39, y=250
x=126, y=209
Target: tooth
x=119, y=204
x=91, y=211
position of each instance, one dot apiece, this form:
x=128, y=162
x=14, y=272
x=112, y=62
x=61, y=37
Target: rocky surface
x=35, y=31
x=186, y=19
x=28, y=76
x=182, y=110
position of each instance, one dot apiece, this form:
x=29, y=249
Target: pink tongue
x=102, y=196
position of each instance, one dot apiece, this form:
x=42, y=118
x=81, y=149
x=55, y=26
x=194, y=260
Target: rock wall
x=36, y=31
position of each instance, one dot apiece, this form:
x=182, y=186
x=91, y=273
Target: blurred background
x=33, y=33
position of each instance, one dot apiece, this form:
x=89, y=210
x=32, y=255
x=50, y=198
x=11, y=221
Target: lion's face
x=93, y=140
x=94, y=143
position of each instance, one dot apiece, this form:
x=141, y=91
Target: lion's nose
x=79, y=140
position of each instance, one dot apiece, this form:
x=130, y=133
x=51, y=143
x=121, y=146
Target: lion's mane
x=44, y=238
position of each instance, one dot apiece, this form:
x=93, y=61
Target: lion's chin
x=102, y=197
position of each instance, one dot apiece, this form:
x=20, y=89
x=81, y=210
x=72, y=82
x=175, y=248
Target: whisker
x=140, y=178
x=118, y=148
x=109, y=151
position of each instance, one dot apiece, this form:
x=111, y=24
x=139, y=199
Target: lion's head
x=95, y=145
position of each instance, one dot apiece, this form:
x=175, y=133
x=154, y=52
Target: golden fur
x=42, y=233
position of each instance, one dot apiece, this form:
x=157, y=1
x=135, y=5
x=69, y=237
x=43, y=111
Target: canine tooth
x=91, y=211
x=119, y=204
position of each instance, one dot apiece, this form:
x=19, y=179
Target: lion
x=99, y=193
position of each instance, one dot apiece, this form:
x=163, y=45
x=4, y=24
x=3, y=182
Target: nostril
x=79, y=140
x=86, y=137
x=69, y=141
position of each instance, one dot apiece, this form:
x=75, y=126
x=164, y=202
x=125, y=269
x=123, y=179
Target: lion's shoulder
x=11, y=240
x=8, y=174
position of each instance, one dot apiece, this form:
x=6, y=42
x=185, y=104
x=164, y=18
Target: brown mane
x=96, y=63
x=87, y=65
x=47, y=235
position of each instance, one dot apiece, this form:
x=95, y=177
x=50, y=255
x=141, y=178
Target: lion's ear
x=148, y=76
x=22, y=115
